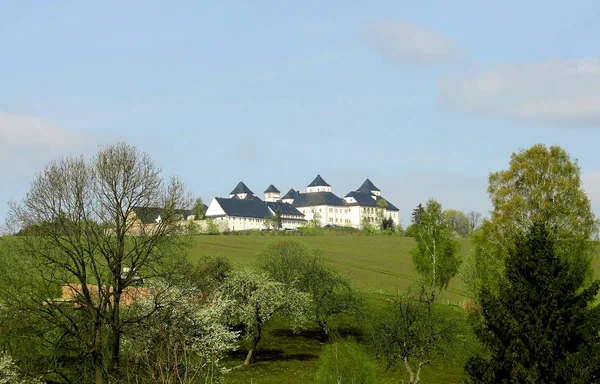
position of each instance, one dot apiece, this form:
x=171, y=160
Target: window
x=331, y=219
x=330, y=210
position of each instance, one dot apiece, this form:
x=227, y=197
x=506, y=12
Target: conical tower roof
x=241, y=188
x=318, y=182
x=291, y=194
x=272, y=189
x=368, y=186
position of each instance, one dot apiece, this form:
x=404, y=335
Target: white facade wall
x=214, y=209
x=318, y=189
x=351, y=216
x=272, y=196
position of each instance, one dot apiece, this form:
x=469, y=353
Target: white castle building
x=242, y=210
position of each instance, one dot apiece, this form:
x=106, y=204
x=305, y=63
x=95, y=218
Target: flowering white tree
x=184, y=341
x=257, y=298
x=9, y=374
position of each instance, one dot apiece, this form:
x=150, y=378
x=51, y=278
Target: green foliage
x=388, y=225
x=295, y=265
x=345, y=362
x=311, y=228
x=207, y=275
x=198, y=210
x=411, y=334
x=367, y=227
x=9, y=373
x=277, y=219
x=541, y=327
x=380, y=211
x=211, y=227
x=458, y=222
x=286, y=261
x=542, y=184
x=417, y=214
x=435, y=255
x=257, y=298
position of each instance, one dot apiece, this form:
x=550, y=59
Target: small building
x=145, y=218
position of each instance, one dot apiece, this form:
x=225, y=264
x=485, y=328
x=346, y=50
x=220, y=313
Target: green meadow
x=378, y=266
x=375, y=264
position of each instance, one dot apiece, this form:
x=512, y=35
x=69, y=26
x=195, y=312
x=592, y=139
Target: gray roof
x=241, y=188
x=368, y=186
x=291, y=194
x=366, y=199
x=148, y=215
x=318, y=182
x=284, y=208
x=271, y=189
x=317, y=198
x=249, y=196
x=244, y=207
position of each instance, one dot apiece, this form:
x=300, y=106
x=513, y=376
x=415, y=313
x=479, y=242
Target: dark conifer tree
x=542, y=326
x=417, y=214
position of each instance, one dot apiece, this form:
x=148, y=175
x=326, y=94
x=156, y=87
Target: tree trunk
x=115, y=339
x=98, y=371
x=324, y=330
x=248, y=356
x=257, y=337
x=411, y=375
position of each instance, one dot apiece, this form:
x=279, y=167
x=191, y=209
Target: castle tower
x=318, y=185
x=272, y=194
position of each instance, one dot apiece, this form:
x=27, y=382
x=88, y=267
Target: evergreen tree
x=541, y=327
x=277, y=219
x=388, y=224
x=417, y=214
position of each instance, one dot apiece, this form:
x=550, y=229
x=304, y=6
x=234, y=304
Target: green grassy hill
x=379, y=264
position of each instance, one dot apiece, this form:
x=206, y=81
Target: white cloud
x=29, y=131
x=402, y=41
x=27, y=142
x=561, y=91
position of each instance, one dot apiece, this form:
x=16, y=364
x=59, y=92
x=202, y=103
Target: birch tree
x=542, y=184
x=435, y=255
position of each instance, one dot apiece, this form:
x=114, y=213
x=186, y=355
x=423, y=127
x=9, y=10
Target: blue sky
x=424, y=99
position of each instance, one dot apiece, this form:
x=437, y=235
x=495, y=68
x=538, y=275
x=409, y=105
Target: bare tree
x=474, y=219
x=85, y=216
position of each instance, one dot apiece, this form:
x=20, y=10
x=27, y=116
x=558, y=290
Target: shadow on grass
x=272, y=355
x=355, y=333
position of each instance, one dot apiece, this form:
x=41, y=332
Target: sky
x=424, y=98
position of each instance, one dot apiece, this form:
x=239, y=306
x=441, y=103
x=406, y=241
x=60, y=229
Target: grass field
x=377, y=266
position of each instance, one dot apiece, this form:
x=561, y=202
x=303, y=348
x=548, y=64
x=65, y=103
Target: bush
x=345, y=362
